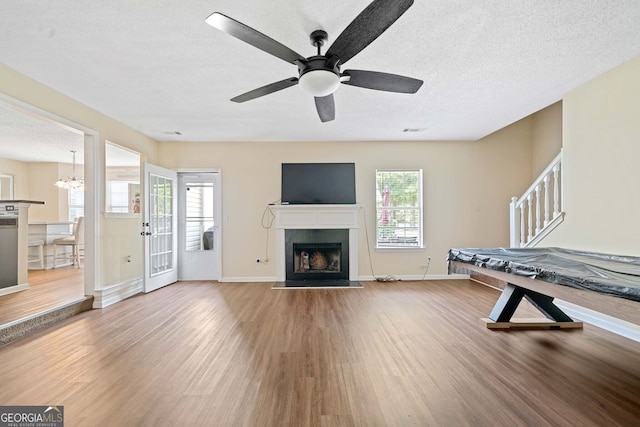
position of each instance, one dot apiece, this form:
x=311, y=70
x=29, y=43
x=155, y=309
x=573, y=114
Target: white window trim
x=420, y=208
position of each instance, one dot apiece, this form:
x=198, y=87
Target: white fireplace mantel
x=312, y=217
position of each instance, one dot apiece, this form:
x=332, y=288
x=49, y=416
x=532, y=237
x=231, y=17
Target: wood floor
x=48, y=289
x=389, y=354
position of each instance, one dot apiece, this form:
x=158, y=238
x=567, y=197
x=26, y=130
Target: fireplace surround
x=316, y=219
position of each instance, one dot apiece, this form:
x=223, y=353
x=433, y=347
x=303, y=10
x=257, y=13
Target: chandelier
x=71, y=181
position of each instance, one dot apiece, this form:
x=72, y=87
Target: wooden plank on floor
x=530, y=323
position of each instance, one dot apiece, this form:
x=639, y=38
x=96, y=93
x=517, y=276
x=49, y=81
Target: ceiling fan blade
x=253, y=37
x=326, y=108
x=367, y=26
x=381, y=81
x=266, y=90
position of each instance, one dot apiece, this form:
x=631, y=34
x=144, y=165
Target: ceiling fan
x=320, y=75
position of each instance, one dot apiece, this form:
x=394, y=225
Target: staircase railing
x=539, y=210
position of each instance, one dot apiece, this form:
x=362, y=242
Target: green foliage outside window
x=399, y=208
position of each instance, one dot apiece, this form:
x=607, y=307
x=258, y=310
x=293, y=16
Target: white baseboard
x=417, y=277
x=117, y=292
x=12, y=289
x=362, y=278
x=604, y=321
x=248, y=279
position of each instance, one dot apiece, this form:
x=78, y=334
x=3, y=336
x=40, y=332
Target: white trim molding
x=248, y=279
x=601, y=320
x=15, y=288
x=115, y=293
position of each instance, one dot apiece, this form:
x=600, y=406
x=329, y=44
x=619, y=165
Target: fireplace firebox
x=317, y=255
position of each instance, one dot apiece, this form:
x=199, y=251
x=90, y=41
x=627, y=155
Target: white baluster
x=530, y=218
x=547, y=206
x=538, y=216
x=522, y=232
x=556, y=190
x=514, y=226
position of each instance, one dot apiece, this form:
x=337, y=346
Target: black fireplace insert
x=317, y=255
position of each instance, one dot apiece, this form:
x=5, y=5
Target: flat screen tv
x=318, y=183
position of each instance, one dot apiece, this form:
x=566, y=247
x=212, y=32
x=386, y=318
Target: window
x=122, y=170
x=76, y=203
x=399, y=208
x=199, y=216
x=118, y=200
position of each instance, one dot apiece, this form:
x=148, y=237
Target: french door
x=159, y=227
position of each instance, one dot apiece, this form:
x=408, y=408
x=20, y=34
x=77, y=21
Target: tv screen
x=318, y=183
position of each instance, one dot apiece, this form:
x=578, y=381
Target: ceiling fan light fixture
x=319, y=83
x=320, y=75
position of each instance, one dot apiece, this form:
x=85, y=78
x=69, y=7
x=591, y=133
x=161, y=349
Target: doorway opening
x=50, y=289
x=199, y=228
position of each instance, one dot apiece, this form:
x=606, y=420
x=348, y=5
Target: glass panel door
x=159, y=227
x=199, y=228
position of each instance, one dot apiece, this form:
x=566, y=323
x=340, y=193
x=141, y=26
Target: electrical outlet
x=426, y=265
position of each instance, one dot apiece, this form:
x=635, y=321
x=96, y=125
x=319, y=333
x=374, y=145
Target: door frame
x=93, y=182
x=217, y=213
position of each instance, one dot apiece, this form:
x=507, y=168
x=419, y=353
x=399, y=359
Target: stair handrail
x=525, y=233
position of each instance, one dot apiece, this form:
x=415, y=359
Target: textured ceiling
x=159, y=68
x=31, y=139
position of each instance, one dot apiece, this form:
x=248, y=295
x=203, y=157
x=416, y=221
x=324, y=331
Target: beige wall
x=467, y=188
x=600, y=161
x=546, y=137
x=543, y=131
x=42, y=177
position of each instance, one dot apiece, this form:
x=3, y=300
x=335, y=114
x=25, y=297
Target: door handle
x=143, y=233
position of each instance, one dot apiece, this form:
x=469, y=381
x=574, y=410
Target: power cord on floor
x=267, y=222
x=388, y=278
x=366, y=235
x=426, y=268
